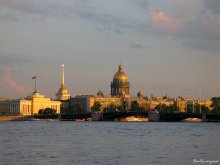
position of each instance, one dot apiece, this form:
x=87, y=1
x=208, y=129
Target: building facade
x=86, y=102
x=29, y=106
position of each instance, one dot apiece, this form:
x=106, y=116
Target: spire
x=63, y=93
x=120, y=67
x=62, y=85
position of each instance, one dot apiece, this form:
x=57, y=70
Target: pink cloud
x=160, y=20
x=9, y=83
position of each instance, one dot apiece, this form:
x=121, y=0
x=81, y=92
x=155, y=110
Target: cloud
x=17, y=59
x=212, y=5
x=79, y=8
x=8, y=16
x=162, y=21
x=189, y=20
x=11, y=84
x=204, y=45
x=136, y=46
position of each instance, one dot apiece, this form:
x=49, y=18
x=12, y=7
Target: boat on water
x=49, y=120
x=192, y=120
x=134, y=119
x=80, y=120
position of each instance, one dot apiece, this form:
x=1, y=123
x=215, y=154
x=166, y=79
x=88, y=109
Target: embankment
x=15, y=118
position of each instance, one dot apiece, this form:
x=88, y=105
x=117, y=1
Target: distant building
x=29, y=106
x=3, y=99
x=86, y=102
x=120, y=85
x=63, y=93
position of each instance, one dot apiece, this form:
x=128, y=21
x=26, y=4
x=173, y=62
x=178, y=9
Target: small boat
x=80, y=120
x=133, y=118
x=192, y=120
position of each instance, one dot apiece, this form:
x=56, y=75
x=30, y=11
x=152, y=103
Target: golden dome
x=120, y=76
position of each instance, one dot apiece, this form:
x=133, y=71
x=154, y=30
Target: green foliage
x=40, y=112
x=135, y=106
x=47, y=112
x=197, y=108
x=97, y=106
x=168, y=109
x=111, y=108
x=215, y=105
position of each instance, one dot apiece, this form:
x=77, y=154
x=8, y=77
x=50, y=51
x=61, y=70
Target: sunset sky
x=165, y=46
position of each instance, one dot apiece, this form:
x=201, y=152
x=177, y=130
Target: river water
x=108, y=143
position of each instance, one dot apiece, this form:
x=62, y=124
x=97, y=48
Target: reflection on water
x=107, y=143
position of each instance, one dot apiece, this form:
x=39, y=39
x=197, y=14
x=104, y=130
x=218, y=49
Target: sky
x=166, y=47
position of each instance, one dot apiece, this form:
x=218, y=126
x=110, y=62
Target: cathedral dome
x=120, y=76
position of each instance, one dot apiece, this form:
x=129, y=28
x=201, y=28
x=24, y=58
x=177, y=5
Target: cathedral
x=120, y=84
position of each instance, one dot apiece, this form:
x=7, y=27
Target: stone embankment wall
x=15, y=118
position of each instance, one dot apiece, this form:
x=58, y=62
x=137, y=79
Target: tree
x=166, y=108
x=215, y=105
x=134, y=106
x=40, y=112
x=162, y=108
x=97, y=106
x=49, y=112
x=111, y=108
x=197, y=107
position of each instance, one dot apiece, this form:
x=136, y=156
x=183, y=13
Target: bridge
x=151, y=115
x=178, y=116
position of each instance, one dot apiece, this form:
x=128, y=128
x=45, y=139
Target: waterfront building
x=29, y=106
x=3, y=99
x=181, y=104
x=142, y=101
x=106, y=101
x=120, y=84
x=206, y=103
x=63, y=93
x=4, y=107
x=86, y=102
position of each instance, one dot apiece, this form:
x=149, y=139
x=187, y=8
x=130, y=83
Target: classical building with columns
x=29, y=106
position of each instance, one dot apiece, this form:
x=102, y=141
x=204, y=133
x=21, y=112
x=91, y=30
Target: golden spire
x=120, y=68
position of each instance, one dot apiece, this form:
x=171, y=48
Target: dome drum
x=120, y=84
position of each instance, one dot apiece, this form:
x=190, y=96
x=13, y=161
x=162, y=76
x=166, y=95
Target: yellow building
x=40, y=102
x=29, y=106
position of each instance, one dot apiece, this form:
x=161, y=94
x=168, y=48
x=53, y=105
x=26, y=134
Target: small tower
x=63, y=93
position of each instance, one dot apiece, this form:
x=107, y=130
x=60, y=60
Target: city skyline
x=165, y=48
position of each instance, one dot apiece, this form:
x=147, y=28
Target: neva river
x=108, y=143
